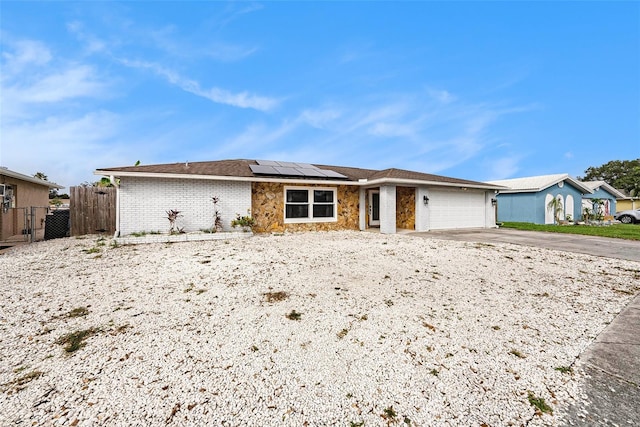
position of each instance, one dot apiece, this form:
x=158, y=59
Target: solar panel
x=288, y=171
x=263, y=169
x=305, y=166
x=267, y=163
x=333, y=174
x=270, y=167
x=310, y=171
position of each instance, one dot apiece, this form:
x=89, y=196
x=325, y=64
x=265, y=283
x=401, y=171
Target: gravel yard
x=337, y=328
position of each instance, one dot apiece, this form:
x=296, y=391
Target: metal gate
x=23, y=225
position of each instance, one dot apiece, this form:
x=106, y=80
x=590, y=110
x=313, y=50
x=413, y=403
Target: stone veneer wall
x=406, y=208
x=267, y=208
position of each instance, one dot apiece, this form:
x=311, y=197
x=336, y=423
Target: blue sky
x=475, y=90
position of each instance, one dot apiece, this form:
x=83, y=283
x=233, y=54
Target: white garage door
x=456, y=209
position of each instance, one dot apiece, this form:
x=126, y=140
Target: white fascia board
x=613, y=191
x=16, y=175
x=579, y=185
x=222, y=178
x=417, y=182
x=373, y=183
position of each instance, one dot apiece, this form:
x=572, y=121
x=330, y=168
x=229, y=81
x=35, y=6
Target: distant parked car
x=628, y=217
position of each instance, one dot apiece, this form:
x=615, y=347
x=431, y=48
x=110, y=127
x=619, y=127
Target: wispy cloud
x=92, y=43
x=215, y=94
x=32, y=78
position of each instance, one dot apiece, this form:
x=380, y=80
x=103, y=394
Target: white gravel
x=442, y=332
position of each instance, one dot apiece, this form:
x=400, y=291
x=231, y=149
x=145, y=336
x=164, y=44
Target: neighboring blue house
x=604, y=192
x=526, y=199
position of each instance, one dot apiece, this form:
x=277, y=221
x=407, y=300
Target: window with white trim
x=310, y=204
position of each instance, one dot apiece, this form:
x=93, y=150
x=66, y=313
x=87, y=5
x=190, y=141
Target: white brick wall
x=144, y=202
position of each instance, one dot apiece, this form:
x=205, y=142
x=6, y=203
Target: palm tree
x=555, y=206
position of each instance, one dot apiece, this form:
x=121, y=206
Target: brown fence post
x=92, y=210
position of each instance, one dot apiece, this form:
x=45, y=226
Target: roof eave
x=22, y=177
x=366, y=183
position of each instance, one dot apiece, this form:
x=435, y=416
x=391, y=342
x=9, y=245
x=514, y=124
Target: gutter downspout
x=115, y=184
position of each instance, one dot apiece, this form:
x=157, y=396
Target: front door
x=374, y=208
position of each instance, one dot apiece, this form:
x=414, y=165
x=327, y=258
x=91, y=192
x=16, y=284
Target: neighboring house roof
x=533, y=184
x=626, y=195
x=240, y=170
x=7, y=172
x=595, y=185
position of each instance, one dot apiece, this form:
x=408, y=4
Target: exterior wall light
x=494, y=202
x=425, y=199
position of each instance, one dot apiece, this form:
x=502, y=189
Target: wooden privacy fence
x=92, y=210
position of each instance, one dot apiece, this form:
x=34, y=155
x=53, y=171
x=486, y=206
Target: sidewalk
x=613, y=365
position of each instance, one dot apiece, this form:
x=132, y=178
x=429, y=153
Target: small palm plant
x=555, y=206
x=172, y=216
x=217, y=215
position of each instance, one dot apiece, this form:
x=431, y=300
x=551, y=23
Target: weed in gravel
x=21, y=382
x=78, y=312
x=92, y=250
x=356, y=423
x=254, y=348
x=539, y=404
x=517, y=353
x=75, y=340
x=495, y=328
x=343, y=333
x=389, y=414
x=120, y=329
x=294, y=315
x=564, y=369
x=407, y=420
x=434, y=372
x=275, y=296
x=427, y=325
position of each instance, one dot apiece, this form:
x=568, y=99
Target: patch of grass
x=21, y=382
x=539, y=404
x=74, y=341
x=78, y=312
x=434, y=372
x=564, y=369
x=517, y=354
x=294, y=315
x=92, y=250
x=616, y=231
x=275, y=296
x=356, y=423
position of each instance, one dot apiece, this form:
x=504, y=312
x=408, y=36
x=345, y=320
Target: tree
x=53, y=192
x=555, y=206
x=621, y=174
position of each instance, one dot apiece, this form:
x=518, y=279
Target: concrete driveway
x=591, y=245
